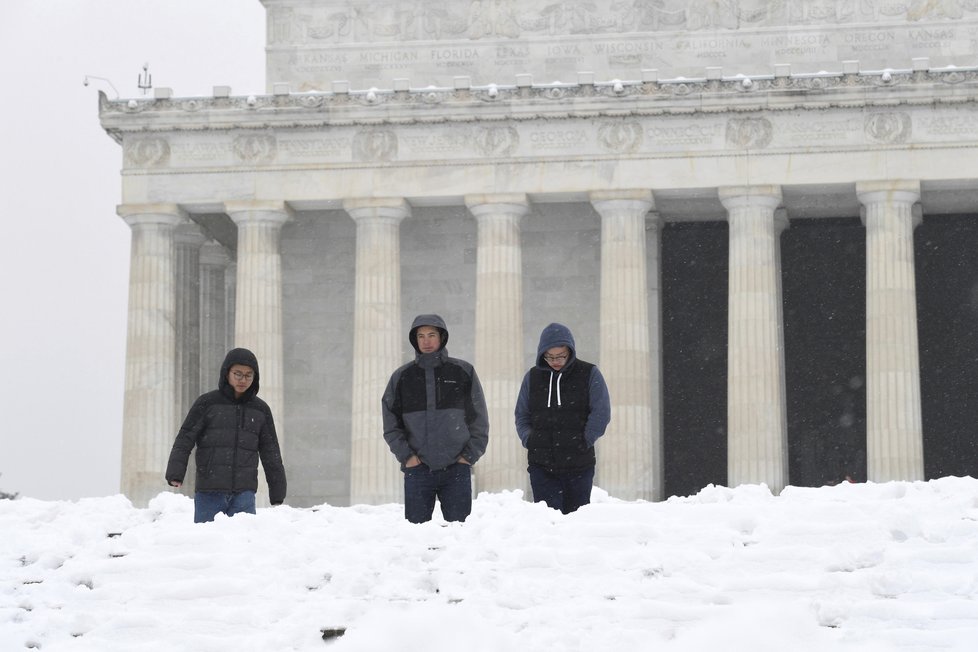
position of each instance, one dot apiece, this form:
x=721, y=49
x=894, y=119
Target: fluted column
x=756, y=424
x=375, y=477
x=629, y=455
x=498, y=317
x=214, y=261
x=189, y=239
x=894, y=434
x=149, y=415
x=258, y=301
x=231, y=296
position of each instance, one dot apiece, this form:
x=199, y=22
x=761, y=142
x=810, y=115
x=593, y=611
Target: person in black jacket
x=232, y=429
x=562, y=409
x=436, y=424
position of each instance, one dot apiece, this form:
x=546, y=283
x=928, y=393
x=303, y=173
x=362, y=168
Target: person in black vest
x=562, y=409
x=436, y=424
x=232, y=429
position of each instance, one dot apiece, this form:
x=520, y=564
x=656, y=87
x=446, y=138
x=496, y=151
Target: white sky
x=64, y=253
x=851, y=568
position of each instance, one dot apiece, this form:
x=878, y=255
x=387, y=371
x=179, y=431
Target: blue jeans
x=563, y=490
x=208, y=504
x=452, y=486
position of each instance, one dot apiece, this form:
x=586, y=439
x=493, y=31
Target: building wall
x=561, y=280
x=317, y=279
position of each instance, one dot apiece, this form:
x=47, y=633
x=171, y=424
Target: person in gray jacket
x=436, y=424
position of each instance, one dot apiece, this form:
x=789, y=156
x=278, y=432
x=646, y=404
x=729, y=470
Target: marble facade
x=406, y=160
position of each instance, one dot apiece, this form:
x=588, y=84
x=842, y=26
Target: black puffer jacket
x=230, y=434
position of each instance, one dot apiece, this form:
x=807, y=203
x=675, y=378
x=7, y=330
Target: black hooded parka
x=231, y=435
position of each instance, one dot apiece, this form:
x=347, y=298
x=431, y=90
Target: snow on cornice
x=526, y=100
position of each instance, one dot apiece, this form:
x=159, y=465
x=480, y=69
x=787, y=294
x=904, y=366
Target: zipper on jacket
x=234, y=453
x=550, y=389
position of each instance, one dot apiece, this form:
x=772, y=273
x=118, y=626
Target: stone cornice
x=528, y=101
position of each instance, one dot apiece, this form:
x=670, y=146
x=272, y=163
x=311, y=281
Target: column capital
x=635, y=202
x=258, y=210
x=742, y=196
x=161, y=213
x=635, y=194
x=903, y=190
x=890, y=192
x=492, y=204
x=396, y=208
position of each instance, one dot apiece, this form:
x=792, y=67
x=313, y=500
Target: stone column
x=214, y=262
x=757, y=446
x=894, y=434
x=258, y=301
x=231, y=295
x=189, y=239
x=629, y=455
x=375, y=477
x=149, y=415
x=499, y=335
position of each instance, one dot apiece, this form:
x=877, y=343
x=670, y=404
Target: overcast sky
x=64, y=253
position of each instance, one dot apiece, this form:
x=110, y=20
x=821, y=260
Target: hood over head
x=434, y=321
x=555, y=335
x=238, y=356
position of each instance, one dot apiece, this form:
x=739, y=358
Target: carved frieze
x=346, y=22
x=620, y=137
x=888, y=127
x=957, y=125
x=497, y=140
x=254, y=149
x=749, y=133
x=375, y=145
x=371, y=43
x=150, y=152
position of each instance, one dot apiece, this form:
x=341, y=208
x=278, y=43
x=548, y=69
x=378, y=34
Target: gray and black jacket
x=231, y=435
x=434, y=407
x=561, y=414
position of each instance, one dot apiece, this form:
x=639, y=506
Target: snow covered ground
x=854, y=567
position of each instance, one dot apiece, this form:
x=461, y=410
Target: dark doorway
x=947, y=316
x=823, y=275
x=694, y=357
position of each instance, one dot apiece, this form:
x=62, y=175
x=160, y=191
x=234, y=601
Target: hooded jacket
x=561, y=414
x=434, y=407
x=231, y=435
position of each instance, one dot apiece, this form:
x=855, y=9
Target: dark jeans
x=563, y=490
x=452, y=487
x=208, y=504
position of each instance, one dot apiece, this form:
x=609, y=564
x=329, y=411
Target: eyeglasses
x=240, y=376
x=555, y=358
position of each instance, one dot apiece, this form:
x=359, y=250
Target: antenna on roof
x=145, y=79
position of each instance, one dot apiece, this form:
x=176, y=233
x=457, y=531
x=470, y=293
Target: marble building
x=507, y=164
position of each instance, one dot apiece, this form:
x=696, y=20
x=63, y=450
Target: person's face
x=240, y=378
x=557, y=357
x=429, y=339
